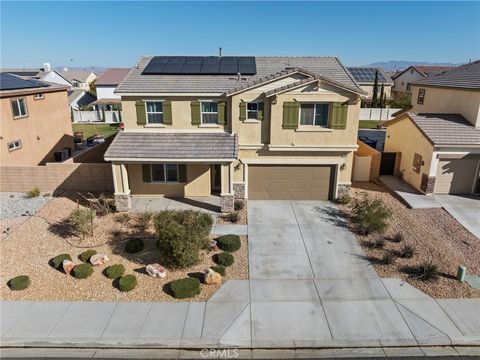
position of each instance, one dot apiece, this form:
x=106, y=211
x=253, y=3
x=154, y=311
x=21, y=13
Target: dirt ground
x=29, y=247
x=436, y=236
x=243, y=216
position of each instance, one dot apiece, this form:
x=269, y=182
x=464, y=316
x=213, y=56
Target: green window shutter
x=290, y=115
x=146, y=172
x=260, y=111
x=167, y=112
x=195, y=107
x=141, y=114
x=222, y=113
x=182, y=173
x=243, y=111
x=339, y=116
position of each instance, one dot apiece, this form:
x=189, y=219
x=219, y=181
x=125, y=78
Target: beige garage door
x=275, y=182
x=455, y=176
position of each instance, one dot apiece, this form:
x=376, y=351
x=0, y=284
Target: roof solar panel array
x=362, y=74
x=12, y=82
x=201, y=65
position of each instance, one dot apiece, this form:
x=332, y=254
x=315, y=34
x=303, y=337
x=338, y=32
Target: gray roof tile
x=466, y=76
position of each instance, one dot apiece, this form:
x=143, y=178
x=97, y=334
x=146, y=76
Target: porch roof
x=182, y=147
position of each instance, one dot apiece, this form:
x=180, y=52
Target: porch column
x=123, y=200
x=226, y=195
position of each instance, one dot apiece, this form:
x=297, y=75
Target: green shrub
x=370, y=215
x=181, y=235
x=33, y=192
x=426, y=271
x=115, y=271
x=127, y=283
x=407, y=251
x=185, y=288
x=233, y=217
x=219, y=269
x=144, y=219
x=343, y=200
x=238, y=205
x=57, y=261
x=82, y=271
x=19, y=282
x=86, y=255
x=224, y=259
x=81, y=220
x=134, y=245
x=229, y=243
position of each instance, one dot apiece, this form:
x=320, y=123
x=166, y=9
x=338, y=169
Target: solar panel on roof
x=366, y=74
x=12, y=82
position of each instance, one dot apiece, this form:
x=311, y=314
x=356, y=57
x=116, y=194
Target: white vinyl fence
x=96, y=116
x=377, y=113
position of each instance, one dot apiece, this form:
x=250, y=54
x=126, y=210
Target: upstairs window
x=209, y=112
x=252, y=111
x=164, y=172
x=39, y=96
x=314, y=114
x=19, y=108
x=154, y=110
x=421, y=96
x=14, y=145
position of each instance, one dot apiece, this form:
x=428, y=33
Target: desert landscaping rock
x=68, y=266
x=212, y=277
x=98, y=259
x=17, y=204
x=156, y=271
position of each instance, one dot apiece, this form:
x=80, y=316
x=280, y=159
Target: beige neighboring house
x=404, y=79
x=365, y=77
x=35, y=121
x=439, y=139
x=242, y=127
x=79, y=79
x=106, y=84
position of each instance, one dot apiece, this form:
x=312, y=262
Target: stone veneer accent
x=427, y=184
x=343, y=189
x=123, y=202
x=227, y=202
x=239, y=190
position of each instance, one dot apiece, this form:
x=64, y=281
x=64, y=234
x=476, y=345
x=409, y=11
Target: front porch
x=209, y=204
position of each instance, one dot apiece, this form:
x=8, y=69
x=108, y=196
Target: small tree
x=375, y=91
x=370, y=215
x=381, y=98
x=82, y=221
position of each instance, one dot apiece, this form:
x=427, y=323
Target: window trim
x=16, y=147
x=247, y=111
x=417, y=162
x=202, y=112
x=26, y=108
x=39, y=96
x=421, y=97
x=146, y=112
x=300, y=125
x=164, y=174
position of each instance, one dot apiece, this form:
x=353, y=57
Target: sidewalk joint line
x=60, y=318
x=110, y=318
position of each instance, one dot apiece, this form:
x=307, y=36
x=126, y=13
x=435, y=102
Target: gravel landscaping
x=242, y=216
x=28, y=249
x=18, y=204
x=434, y=234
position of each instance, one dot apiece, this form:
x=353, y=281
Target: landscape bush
x=81, y=220
x=20, y=282
x=145, y=218
x=182, y=235
x=238, y=205
x=398, y=237
x=370, y=216
x=219, y=269
x=425, y=271
x=233, y=217
x=388, y=258
x=82, y=271
x=225, y=259
x=406, y=252
x=101, y=204
x=57, y=261
x=185, y=288
x=34, y=192
x=229, y=243
x=127, y=283
x=134, y=245
x=86, y=255
x=343, y=200
x=115, y=271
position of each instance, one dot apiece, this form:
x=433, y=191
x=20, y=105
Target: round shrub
x=219, y=269
x=86, y=255
x=134, y=245
x=185, y=288
x=224, y=259
x=114, y=271
x=238, y=205
x=82, y=271
x=19, y=282
x=57, y=261
x=229, y=243
x=127, y=283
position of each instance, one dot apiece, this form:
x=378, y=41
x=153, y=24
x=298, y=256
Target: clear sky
x=113, y=34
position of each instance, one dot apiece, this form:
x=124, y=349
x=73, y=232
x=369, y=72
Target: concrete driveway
x=465, y=209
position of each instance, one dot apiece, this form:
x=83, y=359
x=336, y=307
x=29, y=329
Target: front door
x=216, y=177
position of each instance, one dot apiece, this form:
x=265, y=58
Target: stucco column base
x=123, y=202
x=343, y=189
x=239, y=190
x=227, y=202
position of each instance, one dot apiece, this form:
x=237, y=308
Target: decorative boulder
x=212, y=277
x=68, y=266
x=213, y=245
x=156, y=271
x=98, y=259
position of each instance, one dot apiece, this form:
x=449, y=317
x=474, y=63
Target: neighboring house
x=439, y=139
x=106, y=84
x=46, y=73
x=247, y=127
x=79, y=97
x=365, y=77
x=403, y=79
x=35, y=121
x=79, y=79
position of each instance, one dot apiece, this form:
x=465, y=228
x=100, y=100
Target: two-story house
x=246, y=127
x=404, y=79
x=439, y=138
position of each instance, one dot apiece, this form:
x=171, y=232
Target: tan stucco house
x=439, y=138
x=245, y=127
x=403, y=80
x=35, y=121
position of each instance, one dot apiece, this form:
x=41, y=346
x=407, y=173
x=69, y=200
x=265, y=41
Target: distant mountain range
x=394, y=65
x=96, y=69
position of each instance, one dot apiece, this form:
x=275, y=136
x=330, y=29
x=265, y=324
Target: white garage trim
x=293, y=161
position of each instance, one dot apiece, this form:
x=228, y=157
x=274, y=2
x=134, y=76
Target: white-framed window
x=19, y=108
x=38, y=96
x=14, y=145
x=209, y=112
x=164, y=172
x=421, y=96
x=154, y=111
x=314, y=114
x=252, y=110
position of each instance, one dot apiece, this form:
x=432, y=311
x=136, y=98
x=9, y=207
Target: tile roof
x=154, y=145
x=432, y=70
x=466, y=77
x=112, y=77
x=71, y=75
x=328, y=67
